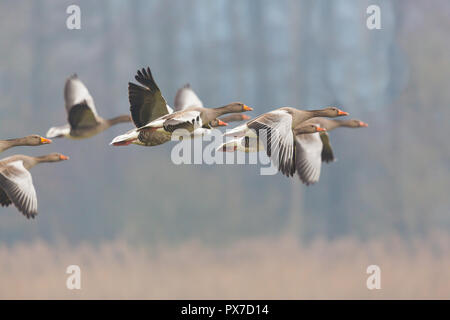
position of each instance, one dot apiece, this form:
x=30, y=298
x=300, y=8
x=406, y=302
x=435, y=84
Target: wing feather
x=308, y=157
x=189, y=120
x=17, y=183
x=186, y=98
x=82, y=116
x=275, y=131
x=327, y=151
x=146, y=102
x=75, y=92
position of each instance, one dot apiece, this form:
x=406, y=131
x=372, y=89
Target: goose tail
x=58, y=132
x=125, y=139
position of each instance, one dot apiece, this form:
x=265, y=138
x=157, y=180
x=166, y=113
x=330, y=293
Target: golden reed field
x=262, y=268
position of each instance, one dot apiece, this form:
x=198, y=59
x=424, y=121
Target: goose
x=192, y=118
x=31, y=140
x=312, y=148
x=186, y=98
x=83, y=119
x=16, y=183
x=150, y=111
x=247, y=144
x=279, y=131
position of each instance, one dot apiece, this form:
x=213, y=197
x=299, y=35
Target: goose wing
x=17, y=183
x=82, y=116
x=327, y=151
x=75, y=92
x=185, y=98
x=146, y=101
x=275, y=131
x=188, y=119
x=308, y=149
x=4, y=199
x=80, y=105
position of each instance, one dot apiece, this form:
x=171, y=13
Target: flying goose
x=32, y=140
x=312, y=149
x=16, y=183
x=83, y=119
x=279, y=131
x=155, y=120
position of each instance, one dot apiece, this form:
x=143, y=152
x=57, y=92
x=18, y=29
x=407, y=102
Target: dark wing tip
x=30, y=215
x=327, y=158
x=145, y=77
x=136, y=97
x=327, y=154
x=5, y=201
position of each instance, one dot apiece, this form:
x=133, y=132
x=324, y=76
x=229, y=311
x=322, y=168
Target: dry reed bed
x=266, y=268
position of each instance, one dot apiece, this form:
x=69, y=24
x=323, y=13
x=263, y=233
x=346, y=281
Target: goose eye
x=198, y=118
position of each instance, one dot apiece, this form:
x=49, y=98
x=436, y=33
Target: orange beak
x=363, y=124
x=245, y=117
x=221, y=123
x=342, y=113
x=247, y=108
x=319, y=129
x=63, y=157
x=45, y=141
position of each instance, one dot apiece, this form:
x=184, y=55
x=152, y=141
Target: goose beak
x=221, y=123
x=247, y=108
x=319, y=129
x=363, y=124
x=245, y=117
x=63, y=157
x=45, y=141
x=342, y=113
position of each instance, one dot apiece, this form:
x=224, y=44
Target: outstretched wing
x=327, y=151
x=58, y=132
x=82, y=116
x=146, y=102
x=186, y=98
x=189, y=120
x=275, y=131
x=75, y=93
x=17, y=183
x=308, y=149
x=4, y=199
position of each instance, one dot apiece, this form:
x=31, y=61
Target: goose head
x=217, y=123
x=35, y=140
x=333, y=112
x=54, y=157
x=309, y=128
